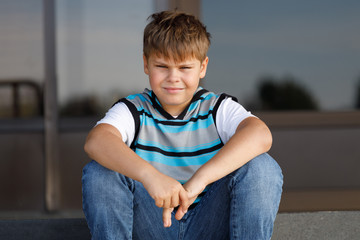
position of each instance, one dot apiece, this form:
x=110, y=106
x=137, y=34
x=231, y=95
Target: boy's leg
x=107, y=202
x=242, y=205
x=117, y=207
x=148, y=223
x=255, y=198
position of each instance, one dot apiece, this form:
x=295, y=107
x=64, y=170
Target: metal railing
x=15, y=85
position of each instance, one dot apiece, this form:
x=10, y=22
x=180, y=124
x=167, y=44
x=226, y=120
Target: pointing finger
x=183, y=208
x=167, y=216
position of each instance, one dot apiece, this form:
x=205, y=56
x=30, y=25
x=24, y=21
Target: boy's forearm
x=105, y=146
x=251, y=139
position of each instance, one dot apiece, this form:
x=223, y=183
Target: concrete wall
x=317, y=150
x=318, y=158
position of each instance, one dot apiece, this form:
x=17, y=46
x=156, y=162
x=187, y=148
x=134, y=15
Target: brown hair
x=175, y=35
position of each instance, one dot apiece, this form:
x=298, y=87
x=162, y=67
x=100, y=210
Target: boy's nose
x=173, y=75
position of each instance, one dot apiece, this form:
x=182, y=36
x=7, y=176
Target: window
x=310, y=48
x=21, y=58
x=99, y=53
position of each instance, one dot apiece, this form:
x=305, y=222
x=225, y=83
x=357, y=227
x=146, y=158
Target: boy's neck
x=174, y=111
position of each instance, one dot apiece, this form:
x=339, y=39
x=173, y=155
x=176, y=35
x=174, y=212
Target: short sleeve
x=120, y=117
x=228, y=117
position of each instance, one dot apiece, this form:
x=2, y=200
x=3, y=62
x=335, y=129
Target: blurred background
x=63, y=63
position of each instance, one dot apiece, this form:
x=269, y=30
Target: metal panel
x=51, y=110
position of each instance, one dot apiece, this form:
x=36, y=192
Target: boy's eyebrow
x=186, y=64
x=160, y=62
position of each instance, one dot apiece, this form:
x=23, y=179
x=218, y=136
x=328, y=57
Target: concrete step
x=343, y=225
x=335, y=225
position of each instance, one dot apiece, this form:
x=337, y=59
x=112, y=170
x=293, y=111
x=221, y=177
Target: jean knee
x=94, y=174
x=264, y=170
x=107, y=202
x=92, y=180
x=256, y=191
x=262, y=176
x=97, y=179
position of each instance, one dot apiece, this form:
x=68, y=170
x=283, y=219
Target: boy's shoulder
x=136, y=97
x=144, y=96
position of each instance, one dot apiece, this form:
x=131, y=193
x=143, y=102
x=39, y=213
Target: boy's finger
x=179, y=214
x=185, y=203
x=174, y=201
x=159, y=202
x=167, y=216
x=166, y=203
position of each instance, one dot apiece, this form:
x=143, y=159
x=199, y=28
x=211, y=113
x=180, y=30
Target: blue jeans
x=242, y=205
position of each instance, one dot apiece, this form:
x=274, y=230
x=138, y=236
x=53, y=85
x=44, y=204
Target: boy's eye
x=185, y=67
x=161, y=66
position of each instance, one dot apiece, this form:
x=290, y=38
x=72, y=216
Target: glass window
x=99, y=53
x=21, y=58
x=286, y=52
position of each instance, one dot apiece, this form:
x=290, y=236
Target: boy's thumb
x=180, y=213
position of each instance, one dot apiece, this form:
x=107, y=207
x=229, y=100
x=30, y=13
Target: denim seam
x=233, y=211
x=84, y=205
x=181, y=230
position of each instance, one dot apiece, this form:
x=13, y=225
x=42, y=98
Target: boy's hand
x=179, y=213
x=193, y=189
x=166, y=191
x=169, y=193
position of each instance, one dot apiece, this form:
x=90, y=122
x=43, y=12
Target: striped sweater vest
x=177, y=146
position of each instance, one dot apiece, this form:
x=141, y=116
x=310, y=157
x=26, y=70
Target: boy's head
x=177, y=36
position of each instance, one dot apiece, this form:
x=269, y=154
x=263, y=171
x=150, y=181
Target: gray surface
x=288, y=226
x=317, y=226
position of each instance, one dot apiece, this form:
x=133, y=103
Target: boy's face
x=174, y=83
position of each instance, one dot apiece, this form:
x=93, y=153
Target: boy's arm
x=104, y=144
x=252, y=138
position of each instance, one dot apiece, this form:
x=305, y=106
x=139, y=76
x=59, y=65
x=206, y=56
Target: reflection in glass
x=99, y=53
x=21, y=58
x=316, y=42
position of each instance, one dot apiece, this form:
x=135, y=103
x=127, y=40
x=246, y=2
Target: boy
x=178, y=161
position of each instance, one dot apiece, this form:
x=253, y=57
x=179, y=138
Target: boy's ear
x=146, y=69
x=203, y=67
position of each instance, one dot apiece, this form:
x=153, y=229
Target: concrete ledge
x=318, y=226
x=288, y=226
x=315, y=200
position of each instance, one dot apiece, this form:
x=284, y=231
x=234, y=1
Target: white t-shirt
x=228, y=117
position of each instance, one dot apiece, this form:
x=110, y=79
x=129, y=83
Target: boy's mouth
x=173, y=89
